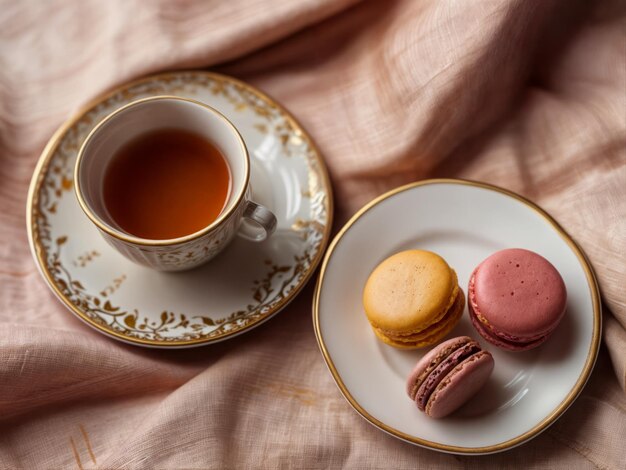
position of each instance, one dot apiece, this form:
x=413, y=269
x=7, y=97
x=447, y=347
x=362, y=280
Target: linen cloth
x=526, y=94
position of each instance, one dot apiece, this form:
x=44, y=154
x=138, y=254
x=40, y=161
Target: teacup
x=240, y=215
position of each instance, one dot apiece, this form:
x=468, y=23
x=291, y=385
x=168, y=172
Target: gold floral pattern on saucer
x=245, y=285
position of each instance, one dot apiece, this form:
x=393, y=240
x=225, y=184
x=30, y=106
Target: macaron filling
x=449, y=375
x=458, y=302
x=460, y=384
x=499, y=341
x=426, y=366
x=437, y=375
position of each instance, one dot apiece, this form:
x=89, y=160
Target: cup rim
x=118, y=234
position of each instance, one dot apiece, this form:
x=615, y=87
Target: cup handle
x=258, y=224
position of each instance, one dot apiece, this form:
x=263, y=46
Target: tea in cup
x=166, y=181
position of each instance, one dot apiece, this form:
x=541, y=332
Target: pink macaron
x=517, y=298
x=449, y=375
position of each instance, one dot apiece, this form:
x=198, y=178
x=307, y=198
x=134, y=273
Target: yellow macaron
x=413, y=299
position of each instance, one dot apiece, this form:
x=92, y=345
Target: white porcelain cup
x=240, y=215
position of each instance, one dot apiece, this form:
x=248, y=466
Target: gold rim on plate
x=52, y=146
x=548, y=420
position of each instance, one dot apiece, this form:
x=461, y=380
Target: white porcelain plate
x=242, y=287
x=464, y=222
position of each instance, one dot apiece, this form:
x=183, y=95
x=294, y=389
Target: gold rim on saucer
x=52, y=183
x=548, y=420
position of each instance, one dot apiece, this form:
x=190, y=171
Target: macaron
x=412, y=299
x=449, y=375
x=517, y=298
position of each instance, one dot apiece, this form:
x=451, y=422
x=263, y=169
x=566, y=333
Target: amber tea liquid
x=166, y=184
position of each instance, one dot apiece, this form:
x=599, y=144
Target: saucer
x=464, y=222
x=243, y=286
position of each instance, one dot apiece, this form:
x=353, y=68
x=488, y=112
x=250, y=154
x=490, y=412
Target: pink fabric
x=527, y=94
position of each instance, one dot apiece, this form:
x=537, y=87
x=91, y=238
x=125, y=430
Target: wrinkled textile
x=526, y=94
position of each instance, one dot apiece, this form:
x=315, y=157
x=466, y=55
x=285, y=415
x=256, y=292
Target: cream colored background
x=527, y=94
